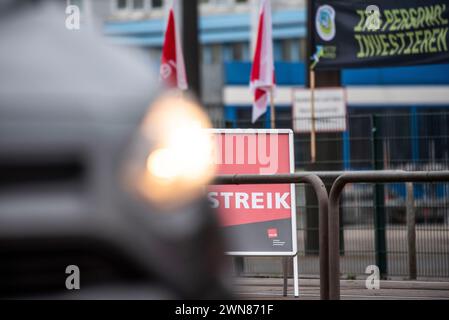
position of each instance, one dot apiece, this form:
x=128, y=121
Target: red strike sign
x=253, y=152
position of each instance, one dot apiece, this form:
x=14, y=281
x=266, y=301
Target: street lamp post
x=190, y=35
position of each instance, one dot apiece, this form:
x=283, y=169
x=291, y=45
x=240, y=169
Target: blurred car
x=82, y=130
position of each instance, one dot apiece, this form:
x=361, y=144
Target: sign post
x=312, y=117
x=258, y=220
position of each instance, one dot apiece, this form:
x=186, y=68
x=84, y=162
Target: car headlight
x=175, y=155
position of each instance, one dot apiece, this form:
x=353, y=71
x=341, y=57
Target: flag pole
x=312, y=116
x=272, y=109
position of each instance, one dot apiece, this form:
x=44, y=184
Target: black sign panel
x=349, y=33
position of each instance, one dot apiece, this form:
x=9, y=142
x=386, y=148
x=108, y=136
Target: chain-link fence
x=374, y=230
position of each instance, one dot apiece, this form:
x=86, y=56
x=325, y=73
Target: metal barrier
x=314, y=179
x=329, y=221
x=334, y=220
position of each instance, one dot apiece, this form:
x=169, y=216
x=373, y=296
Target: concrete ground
x=272, y=289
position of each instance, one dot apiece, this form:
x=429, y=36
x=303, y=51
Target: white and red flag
x=263, y=81
x=172, y=70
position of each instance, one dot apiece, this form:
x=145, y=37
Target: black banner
x=354, y=33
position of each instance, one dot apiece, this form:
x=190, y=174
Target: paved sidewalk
x=271, y=288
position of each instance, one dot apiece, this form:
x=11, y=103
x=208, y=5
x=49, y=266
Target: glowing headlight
x=179, y=162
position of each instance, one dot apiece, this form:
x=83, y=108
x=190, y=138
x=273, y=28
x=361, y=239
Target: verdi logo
x=325, y=22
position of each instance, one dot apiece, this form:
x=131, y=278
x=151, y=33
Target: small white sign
x=330, y=110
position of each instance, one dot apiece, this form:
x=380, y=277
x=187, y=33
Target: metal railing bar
x=334, y=219
x=321, y=193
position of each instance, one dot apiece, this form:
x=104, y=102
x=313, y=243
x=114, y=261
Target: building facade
x=225, y=34
x=226, y=29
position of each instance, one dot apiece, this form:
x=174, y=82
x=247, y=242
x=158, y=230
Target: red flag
x=172, y=70
x=262, y=80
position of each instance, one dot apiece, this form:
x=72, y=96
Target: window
x=156, y=4
x=240, y=51
x=277, y=50
x=121, y=4
x=138, y=4
x=237, y=54
x=291, y=50
x=303, y=49
x=216, y=2
x=212, y=54
x=286, y=54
